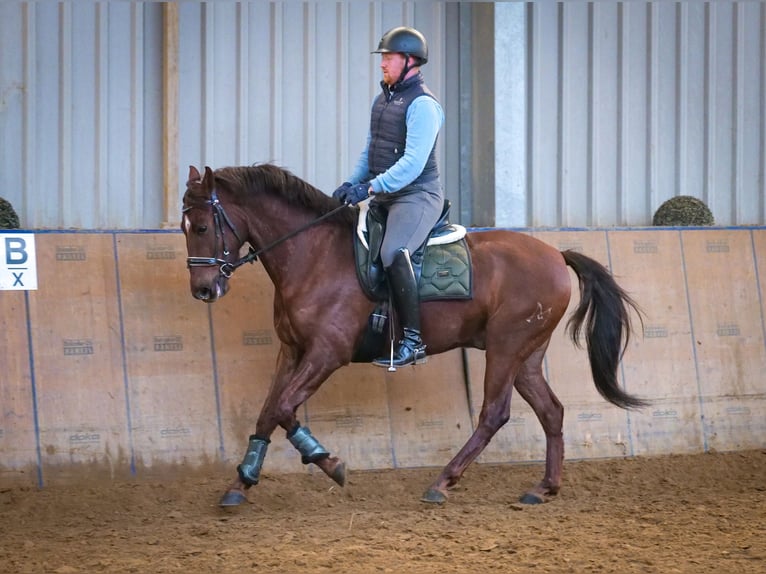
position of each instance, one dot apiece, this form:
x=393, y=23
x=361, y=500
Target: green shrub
x=683, y=210
x=8, y=217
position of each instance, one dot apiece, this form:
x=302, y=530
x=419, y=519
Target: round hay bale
x=8, y=217
x=683, y=210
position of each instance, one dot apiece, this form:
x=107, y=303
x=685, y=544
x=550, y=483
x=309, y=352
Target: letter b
x=15, y=251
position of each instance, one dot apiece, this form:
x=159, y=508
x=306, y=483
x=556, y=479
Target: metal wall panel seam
x=710, y=105
x=534, y=125
x=170, y=114
x=376, y=32
x=737, y=105
x=137, y=114
x=653, y=96
x=343, y=89
x=208, y=91
x=762, y=163
x=594, y=147
x=29, y=143
x=409, y=18
x=465, y=127
x=277, y=48
x=65, y=117
x=647, y=110
x=310, y=142
x=101, y=135
x=564, y=128
x=595, y=79
x=622, y=81
x=682, y=96
x=243, y=92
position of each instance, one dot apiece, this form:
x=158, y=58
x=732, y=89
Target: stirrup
x=404, y=355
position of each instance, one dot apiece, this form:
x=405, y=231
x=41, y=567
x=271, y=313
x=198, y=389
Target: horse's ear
x=209, y=178
x=194, y=175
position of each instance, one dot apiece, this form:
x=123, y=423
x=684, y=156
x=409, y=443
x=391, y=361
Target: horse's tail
x=604, y=312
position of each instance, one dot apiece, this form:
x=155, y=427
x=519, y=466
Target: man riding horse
x=398, y=169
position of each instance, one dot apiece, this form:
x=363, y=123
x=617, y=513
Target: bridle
x=220, y=218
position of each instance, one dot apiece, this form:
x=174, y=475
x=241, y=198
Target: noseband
x=219, y=219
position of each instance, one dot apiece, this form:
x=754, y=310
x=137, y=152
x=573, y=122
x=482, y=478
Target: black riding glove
x=357, y=193
x=340, y=193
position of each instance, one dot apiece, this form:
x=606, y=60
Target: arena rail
x=111, y=366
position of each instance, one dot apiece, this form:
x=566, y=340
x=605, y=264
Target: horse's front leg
x=295, y=381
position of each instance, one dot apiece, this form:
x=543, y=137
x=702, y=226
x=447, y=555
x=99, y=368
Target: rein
x=219, y=215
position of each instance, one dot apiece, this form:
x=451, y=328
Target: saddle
x=442, y=266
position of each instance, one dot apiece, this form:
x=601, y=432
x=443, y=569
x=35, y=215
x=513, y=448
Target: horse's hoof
x=434, y=496
x=339, y=474
x=531, y=498
x=232, y=498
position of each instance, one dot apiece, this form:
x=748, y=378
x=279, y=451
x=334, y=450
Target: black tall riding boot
x=404, y=292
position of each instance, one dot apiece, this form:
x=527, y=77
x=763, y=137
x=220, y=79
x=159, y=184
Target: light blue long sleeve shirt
x=424, y=120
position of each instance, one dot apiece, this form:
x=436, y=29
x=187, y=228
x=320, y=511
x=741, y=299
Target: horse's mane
x=274, y=180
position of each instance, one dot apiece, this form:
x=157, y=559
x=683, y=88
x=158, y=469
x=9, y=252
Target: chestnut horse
x=521, y=290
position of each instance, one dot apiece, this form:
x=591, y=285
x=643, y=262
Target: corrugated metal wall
x=79, y=113
x=631, y=103
x=623, y=105
x=289, y=82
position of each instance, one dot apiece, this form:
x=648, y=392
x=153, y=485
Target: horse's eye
x=201, y=229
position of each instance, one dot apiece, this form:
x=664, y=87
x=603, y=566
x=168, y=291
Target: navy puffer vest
x=388, y=127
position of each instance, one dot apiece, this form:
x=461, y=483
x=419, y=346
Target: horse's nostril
x=203, y=294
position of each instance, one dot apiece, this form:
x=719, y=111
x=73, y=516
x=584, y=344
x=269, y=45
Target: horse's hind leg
x=534, y=389
x=495, y=412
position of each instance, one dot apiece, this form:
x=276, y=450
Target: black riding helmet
x=404, y=40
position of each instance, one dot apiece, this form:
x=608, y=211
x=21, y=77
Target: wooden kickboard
x=428, y=407
x=246, y=349
x=597, y=430
x=759, y=243
x=746, y=416
x=728, y=332
x=196, y=375
x=18, y=444
x=735, y=423
x=659, y=362
x=168, y=353
x=78, y=353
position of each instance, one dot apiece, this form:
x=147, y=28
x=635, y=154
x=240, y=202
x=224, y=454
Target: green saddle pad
x=445, y=272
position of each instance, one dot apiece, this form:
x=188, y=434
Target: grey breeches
x=410, y=218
